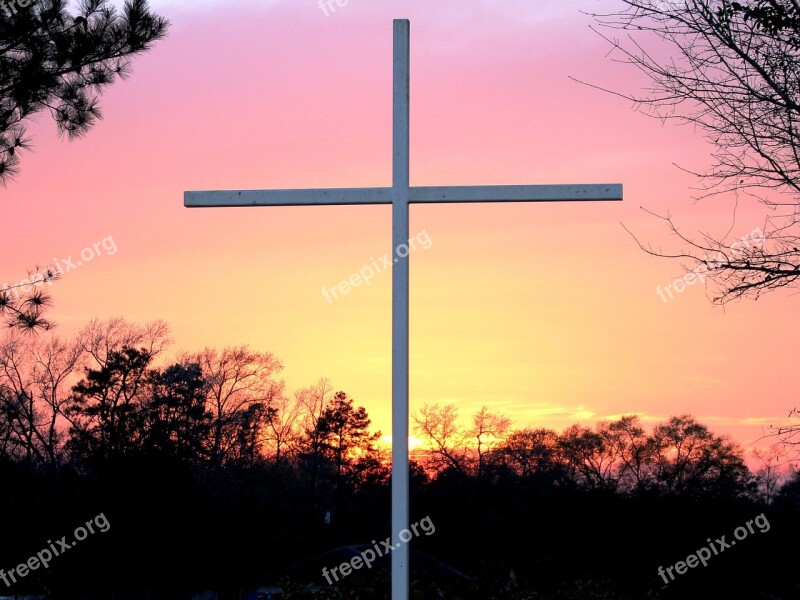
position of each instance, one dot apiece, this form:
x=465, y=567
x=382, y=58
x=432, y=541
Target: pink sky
x=547, y=313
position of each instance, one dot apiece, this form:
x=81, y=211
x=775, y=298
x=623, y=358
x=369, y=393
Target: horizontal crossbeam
x=418, y=195
x=517, y=193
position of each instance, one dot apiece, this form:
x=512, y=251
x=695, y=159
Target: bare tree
x=635, y=452
x=788, y=436
x=37, y=375
x=241, y=386
x=531, y=452
x=438, y=424
x=314, y=401
x=488, y=430
x=731, y=71
x=282, y=430
x=100, y=339
x=21, y=415
x=688, y=458
x=592, y=455
x=774, y=473
x=35, y=380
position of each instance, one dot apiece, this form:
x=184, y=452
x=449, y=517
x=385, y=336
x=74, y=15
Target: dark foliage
x=587, y=513
x=53, y=60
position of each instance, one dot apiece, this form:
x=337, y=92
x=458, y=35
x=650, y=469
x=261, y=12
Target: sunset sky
x=547, y=313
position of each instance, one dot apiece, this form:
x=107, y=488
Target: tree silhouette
x=591, y=456
x=282, y=433
x=439, y=425
x=730, y=70
x=22, y=306
x=107, y=403
x=55, y=61
x=344, y=433
x=635, y=452
x=35, y=375
x=240, y=388
x=175, y=421
x=488, y=429
x=531, y=452
x=139, y=445
x=689, y=459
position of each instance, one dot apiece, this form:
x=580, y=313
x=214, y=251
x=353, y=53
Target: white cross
x=400, y=195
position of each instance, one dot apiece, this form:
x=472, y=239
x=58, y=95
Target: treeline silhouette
x=213, y=476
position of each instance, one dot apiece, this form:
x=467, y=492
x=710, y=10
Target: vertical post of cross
x=400, y=279
x=400, y=195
